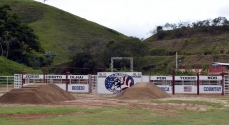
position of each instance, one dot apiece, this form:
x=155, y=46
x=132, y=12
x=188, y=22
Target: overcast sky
x=138, y=17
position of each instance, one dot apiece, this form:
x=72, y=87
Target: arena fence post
x=173, y=82
x=89, y=83
x=67, y=80
x=150, y=75
x=45, y=73
x=23, y=80
x=198, y=83
x=222, y=82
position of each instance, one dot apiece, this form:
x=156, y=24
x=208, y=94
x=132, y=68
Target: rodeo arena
x=50, y=88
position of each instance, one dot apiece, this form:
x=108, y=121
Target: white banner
x=211, y=78
x=186, y=78
x=166, y=88
x=62, y=86
x=161, y=78
x=84, y=88
x=115, y=82
x=32, y=76
x=80, y=88
x=55, y=77
x=77, y=76
x=192, y=89
x=211, y=89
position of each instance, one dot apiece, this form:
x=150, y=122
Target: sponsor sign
x=55, y=77
x=116, y=82
x=32, y=76
x=186, y=78
x=77, y=76
x=212, y=88
x=78, y=88
x=84, y=88
x=211, y=78
x=187, y=88
x=101, y=75
x=161, y=78
x=166, y=88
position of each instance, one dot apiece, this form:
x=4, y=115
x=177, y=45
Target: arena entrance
x=226, y=85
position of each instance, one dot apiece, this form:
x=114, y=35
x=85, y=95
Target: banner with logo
x=115, y=82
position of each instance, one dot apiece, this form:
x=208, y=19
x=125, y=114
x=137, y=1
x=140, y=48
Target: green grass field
x=216, y=114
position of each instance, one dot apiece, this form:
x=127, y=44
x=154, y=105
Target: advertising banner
x=115, y=82
x=33, y=76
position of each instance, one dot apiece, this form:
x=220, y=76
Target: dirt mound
x=142, y=90
x=36, y=94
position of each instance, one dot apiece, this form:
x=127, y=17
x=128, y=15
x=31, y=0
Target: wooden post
x=198, y=83
x=222, y=83
x=173, y=82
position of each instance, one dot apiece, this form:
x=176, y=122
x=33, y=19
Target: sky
x=138, y=17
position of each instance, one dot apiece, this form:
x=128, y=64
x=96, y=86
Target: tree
x=159, y=29
x=16, y=38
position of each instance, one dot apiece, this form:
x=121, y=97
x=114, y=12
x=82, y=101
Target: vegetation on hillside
x=100, y=56
x=198, y=44
x=60, y=32
x=9, y=67
x=18, y=41
x=77, y=42
x=205, y=28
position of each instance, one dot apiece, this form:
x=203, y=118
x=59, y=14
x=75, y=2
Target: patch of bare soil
x=27, y=116
x=99, y=101
x=36, y=94
x=142, y=90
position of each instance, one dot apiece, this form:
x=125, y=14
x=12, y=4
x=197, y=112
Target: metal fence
x=6, y=83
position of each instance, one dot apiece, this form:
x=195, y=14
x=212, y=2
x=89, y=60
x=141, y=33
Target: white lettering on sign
x=161, y=78
x=188, y=78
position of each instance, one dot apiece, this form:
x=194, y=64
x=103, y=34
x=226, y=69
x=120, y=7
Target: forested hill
x=197, y=43
x=60, y=32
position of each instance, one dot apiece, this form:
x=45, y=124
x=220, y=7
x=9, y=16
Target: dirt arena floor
x=97, y=101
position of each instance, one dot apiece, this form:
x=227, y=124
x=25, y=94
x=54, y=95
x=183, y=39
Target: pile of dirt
x=141, y=91
x=36, y=94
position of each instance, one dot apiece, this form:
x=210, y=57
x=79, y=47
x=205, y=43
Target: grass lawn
x=113, y=115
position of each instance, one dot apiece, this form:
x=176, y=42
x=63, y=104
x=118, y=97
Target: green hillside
x=196, y=45
x=9, y=67
x=59, y=31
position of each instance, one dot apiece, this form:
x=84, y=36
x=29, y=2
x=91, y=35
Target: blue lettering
x=165, y=88
x=78, y=88
x=212, y=88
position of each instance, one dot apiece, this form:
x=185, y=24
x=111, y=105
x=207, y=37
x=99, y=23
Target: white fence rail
x=94, y=83
x=6, y=81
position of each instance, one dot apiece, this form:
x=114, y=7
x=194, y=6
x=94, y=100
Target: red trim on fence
x=173, y=82
x=222, y=82
x=198, y=83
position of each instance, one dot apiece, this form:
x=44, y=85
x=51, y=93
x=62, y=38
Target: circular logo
x=117, y=82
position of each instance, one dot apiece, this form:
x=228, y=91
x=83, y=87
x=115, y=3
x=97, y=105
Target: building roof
x=218, y=63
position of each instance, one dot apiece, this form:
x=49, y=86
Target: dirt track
x=97, y=101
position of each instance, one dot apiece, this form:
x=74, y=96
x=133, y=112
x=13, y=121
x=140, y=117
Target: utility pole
x=176, y=61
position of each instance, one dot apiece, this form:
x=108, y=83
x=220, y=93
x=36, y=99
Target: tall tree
x=16, y=39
